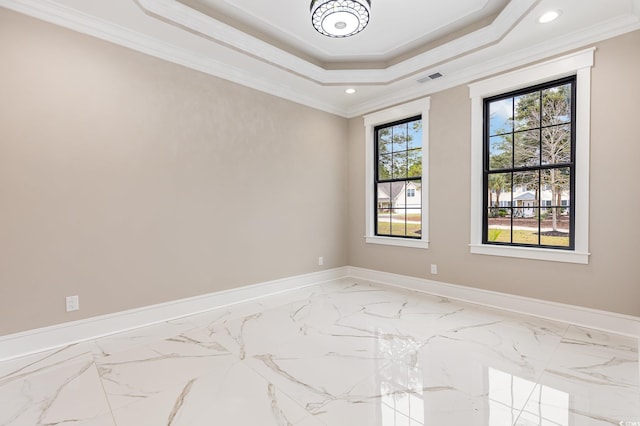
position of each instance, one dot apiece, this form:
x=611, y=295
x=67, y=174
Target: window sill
x=398, y=242
x=550, y=255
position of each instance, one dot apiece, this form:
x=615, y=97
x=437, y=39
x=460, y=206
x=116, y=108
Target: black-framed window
x=398, y=178
x=529, y=163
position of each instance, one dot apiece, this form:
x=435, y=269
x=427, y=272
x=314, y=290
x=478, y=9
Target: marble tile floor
x=343, y=353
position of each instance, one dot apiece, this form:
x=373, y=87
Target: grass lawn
x=526, y=237
x=399, y=229
x=411, y=217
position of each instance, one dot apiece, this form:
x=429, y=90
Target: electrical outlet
x=73, y=303
x=434, y=269
x=320, y=261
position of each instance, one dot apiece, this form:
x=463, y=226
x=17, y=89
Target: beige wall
x=131, y=181
x=611, y=281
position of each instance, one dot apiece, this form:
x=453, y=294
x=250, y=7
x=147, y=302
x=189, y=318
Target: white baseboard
x=60, y=335
x=56, y=336
x=576, y=315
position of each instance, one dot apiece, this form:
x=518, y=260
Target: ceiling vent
x=430, y=77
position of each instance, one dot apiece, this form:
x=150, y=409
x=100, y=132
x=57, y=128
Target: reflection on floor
x=342, y=353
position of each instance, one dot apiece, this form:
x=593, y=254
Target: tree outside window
x=529, y=162
x=398, y=178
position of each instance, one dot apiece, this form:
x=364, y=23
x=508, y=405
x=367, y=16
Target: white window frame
x=578, y=64
x=411, y=109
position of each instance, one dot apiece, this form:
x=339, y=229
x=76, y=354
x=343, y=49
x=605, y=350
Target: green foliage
x=498, y=183
x=527, y=237
x=494, y=234
x=399, y=155
x=399, y=229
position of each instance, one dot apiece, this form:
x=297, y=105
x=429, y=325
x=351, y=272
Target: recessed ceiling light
x=549, y=16
x=350, y=91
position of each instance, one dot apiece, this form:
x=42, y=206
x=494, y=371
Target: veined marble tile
x=478, y=345
x=124, y=341
x=560, y=400
x=598, y=358
x=593, y=379
x=314, y=370
x=362, y=310
x=599, y=344
x=225, y=314
x=291, y=296
x=526, y=345
x=41, y=362
x=354, y=295
x=445, y=381
x=237, y=397
x=69, y=393
x=145, y=371
x=255, y=306
x=342, y=353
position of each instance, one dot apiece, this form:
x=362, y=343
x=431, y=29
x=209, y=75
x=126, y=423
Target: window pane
x=555, y=239
x=400, y=137
x=384, y=167
x=499, y=225
x=384, y=195
x=525, y=225
x=415, y=134
x=500, y=117
x=414, y=222
x=499, y=189
x=527, y=111
x=555, y=221
x=384, y=222
x=556, y=144
x=527, y=149
x=400, y=162
x=556, y=105
x=415, y=163
x=398, y=222
x=557, y=182
x=525, y=188
x=413, y=194
x=500, y=149
x=384, y=141
x=384, y=208
x=555, y=229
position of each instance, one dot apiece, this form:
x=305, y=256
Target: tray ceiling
x=271, y=45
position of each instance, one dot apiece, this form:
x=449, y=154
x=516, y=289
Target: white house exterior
x=524, y=201
x=400, y=195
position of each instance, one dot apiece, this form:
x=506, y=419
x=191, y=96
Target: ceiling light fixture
x=340, y=18
x=350, y=91
x=549, y=16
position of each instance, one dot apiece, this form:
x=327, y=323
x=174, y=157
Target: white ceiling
x=271, y=46
x=391, y=31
